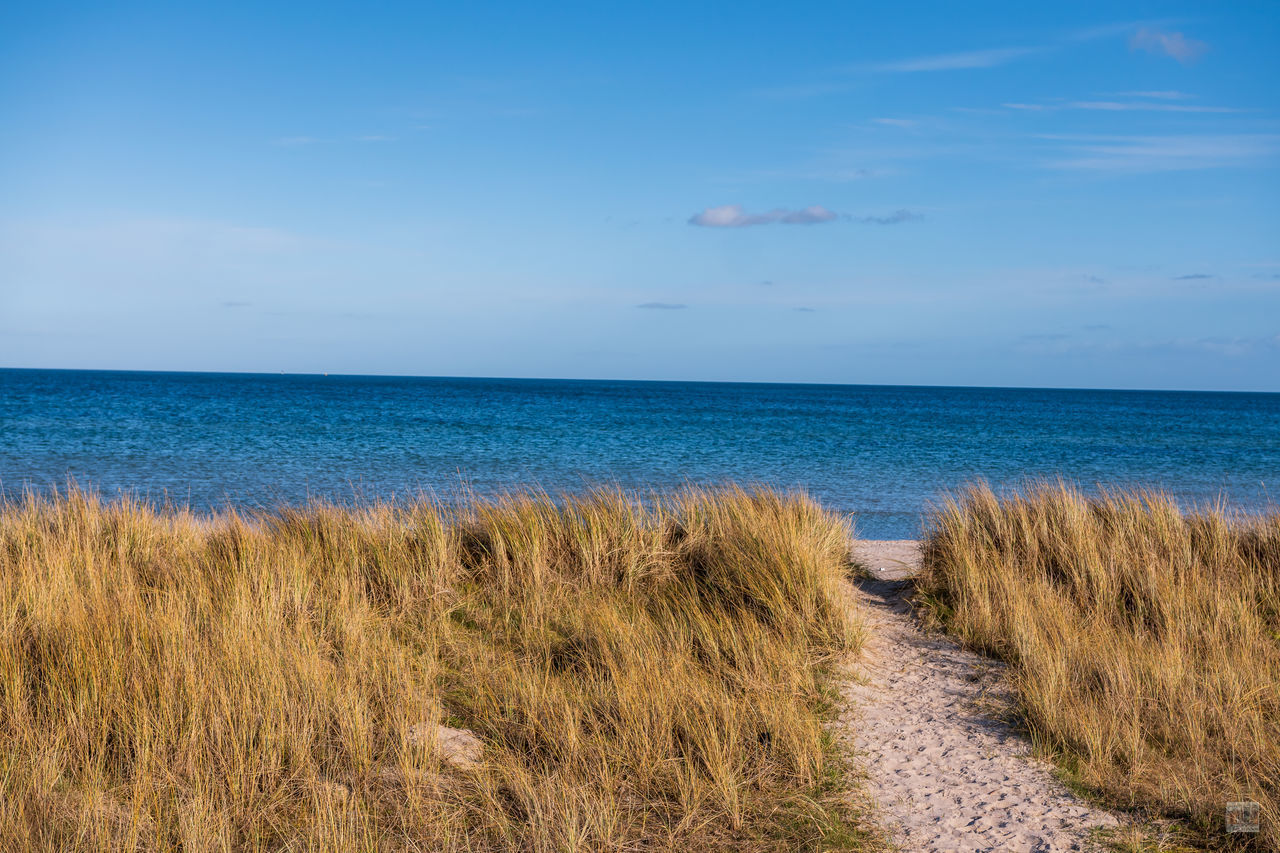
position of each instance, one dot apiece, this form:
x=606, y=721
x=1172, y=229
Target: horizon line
x=802, y=382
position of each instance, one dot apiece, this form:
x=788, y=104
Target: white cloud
x=895, y=218
x=734, y=216
x=812, y=215
x=1174, y=45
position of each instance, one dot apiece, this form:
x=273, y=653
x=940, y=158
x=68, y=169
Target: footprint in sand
x=944, y=773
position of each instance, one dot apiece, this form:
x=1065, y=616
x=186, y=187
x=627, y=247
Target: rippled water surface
x=880, y=452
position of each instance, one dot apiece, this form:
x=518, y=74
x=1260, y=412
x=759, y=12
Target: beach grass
x=637, y=675
x=1143, y=642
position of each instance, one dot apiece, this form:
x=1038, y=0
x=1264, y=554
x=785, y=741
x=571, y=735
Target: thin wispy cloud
x=1125, y=106
x=236, y=303
x=1174, y=45
x=1162, y=95
x=735, y=216
x=1195, y=276
x=138, y=240
x=936, y=62
x=821, y=172
x=1164, y=153
x=845, y=175
x=1120, y=106
x=1115, y=29
x=1229, y=346
x=1144, y=35
x=954, y=61
x=662, y=306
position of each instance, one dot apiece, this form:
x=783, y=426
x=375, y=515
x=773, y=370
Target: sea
x=882, y=454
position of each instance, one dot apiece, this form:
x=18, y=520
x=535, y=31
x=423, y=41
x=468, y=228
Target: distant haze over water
x=880, y=452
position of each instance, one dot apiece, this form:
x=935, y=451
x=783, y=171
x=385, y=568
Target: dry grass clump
x=1144, y=643
x=641, y=676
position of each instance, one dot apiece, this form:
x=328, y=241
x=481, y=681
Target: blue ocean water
x=881, y=453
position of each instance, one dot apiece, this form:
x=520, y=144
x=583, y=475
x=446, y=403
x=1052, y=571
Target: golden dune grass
x=641, y=677
x=1144, y=643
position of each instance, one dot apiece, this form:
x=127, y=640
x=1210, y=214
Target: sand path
x=944, y=772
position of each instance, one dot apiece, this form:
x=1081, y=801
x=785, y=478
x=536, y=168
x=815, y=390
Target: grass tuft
x=1144, y=643
x=642, y=675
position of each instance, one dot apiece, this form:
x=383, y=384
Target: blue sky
x=1080, y=194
